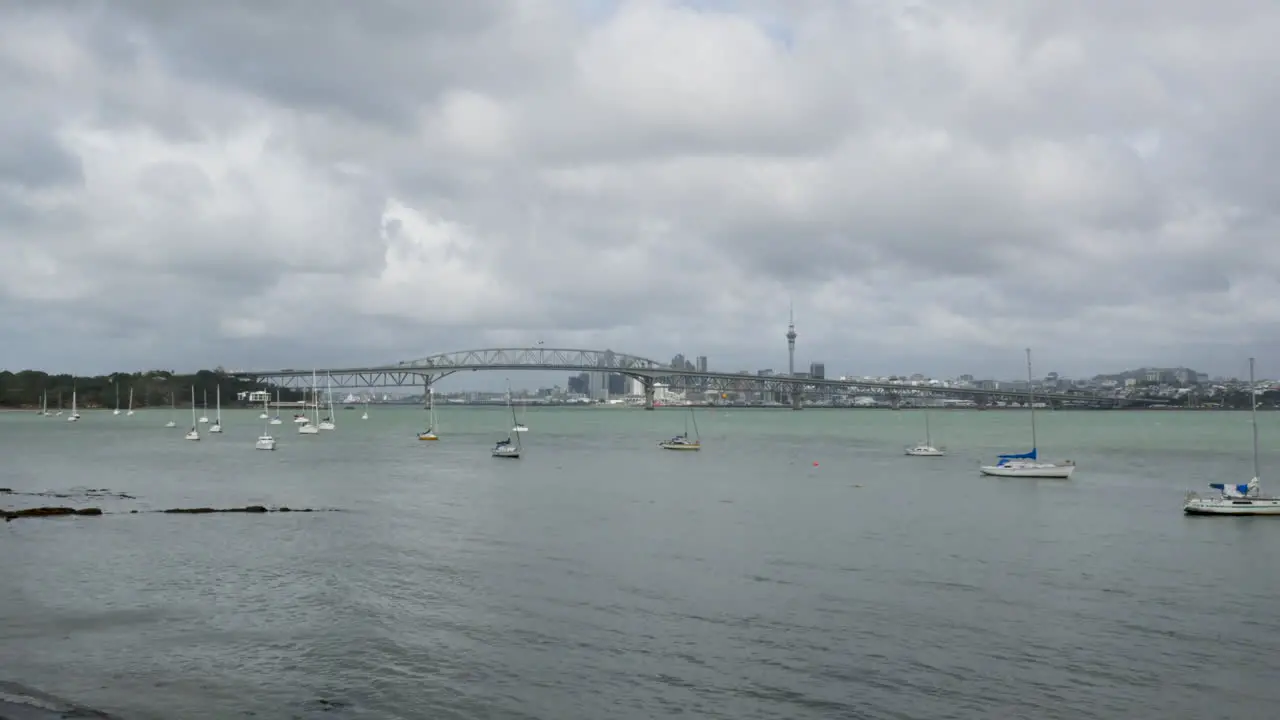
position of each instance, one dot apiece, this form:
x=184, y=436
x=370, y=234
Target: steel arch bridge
x=424, y=371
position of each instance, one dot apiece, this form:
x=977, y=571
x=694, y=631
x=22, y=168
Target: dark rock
x=44, y=512
x=6, y=490
x=284, y=509
x=47, y=512
x=190, y=511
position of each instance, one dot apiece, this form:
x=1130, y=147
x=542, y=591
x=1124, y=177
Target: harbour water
x=799, y=566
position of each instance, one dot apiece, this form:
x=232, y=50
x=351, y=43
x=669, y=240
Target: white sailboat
x=682, y=442
x=926, y=448
x=365, y=416
x=504, y=448
x=265, y=441
x=59, y=413
x=1244, y=498
x=1028, y=464
x=217, y=418
x=204, y=418
x=117, y=386
x=307, y=428
x=275, y=420
x=193, y=433
x=74, y=416
x=330, y=422
x=173, y=409
x=44, y=403
x=130, y=401
x=433, y=423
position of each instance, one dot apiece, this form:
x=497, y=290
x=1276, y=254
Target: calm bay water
x=599, y=577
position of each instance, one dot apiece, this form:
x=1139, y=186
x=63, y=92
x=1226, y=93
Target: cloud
x=935, y=185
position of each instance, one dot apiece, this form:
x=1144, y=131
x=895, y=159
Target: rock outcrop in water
x=48, y=512
x=91, y=494
x=64, y=511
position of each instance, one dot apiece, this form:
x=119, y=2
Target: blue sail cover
x=1020, y=456
x=1231, y=489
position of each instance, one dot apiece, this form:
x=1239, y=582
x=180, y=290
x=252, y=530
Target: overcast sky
x=936, y=185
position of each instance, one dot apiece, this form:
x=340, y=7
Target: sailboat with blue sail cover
x=1028, y=464
x=1240, y=498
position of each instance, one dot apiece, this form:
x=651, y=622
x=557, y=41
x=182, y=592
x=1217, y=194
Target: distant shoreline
x=584, y=406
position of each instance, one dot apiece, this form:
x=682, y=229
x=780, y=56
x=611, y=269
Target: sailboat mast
x=928, y=440
x=1253, y=405
x=1031, y=400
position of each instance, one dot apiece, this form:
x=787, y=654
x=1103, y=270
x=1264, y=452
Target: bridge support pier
x=648, y=392
x=797, y=395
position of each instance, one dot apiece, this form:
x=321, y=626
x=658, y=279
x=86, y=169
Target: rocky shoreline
x=49, y=511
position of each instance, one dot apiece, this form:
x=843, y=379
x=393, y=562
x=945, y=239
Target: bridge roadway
x=425, y=371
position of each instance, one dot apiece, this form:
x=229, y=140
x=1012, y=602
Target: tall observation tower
x=791, y=340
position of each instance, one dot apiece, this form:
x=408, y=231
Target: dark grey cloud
x=936, y=185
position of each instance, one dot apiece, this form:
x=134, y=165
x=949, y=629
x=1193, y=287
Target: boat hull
x=513, y=454
x=925, y=452
x=679, y=446
x=1232, y=506
x=308, y=430
x=1037, y=470
x=428, y=436
x=265, y=444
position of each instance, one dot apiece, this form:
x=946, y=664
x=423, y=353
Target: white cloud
x=936, y=184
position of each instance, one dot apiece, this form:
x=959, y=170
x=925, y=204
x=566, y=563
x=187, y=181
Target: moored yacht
x=1028, y=464
x=1239, y=499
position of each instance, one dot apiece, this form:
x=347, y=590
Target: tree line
x=154, y=388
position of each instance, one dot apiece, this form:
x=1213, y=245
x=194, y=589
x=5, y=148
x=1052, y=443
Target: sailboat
x=1240, y=499
x=330, y=422
x=1027, y=464
x=193, y=434
x=307, y=428
x=432, y=421
x=205, y=417
x=365, y=416
x=117, y=410
x=276, y=419
x=504, y=448
x=59, y=413
x=130, y=401
x=217, y=418
x=266, y=399
x=265, y=441
x=74, y=416
x=682, y=442
x=926, y=448
x=44, y=403
x=173, y=409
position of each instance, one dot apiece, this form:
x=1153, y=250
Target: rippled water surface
x=798, y=567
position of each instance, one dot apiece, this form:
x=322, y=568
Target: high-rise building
x=791, y=341
x=818, y=370
x=702, y=363
x=617, y=384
